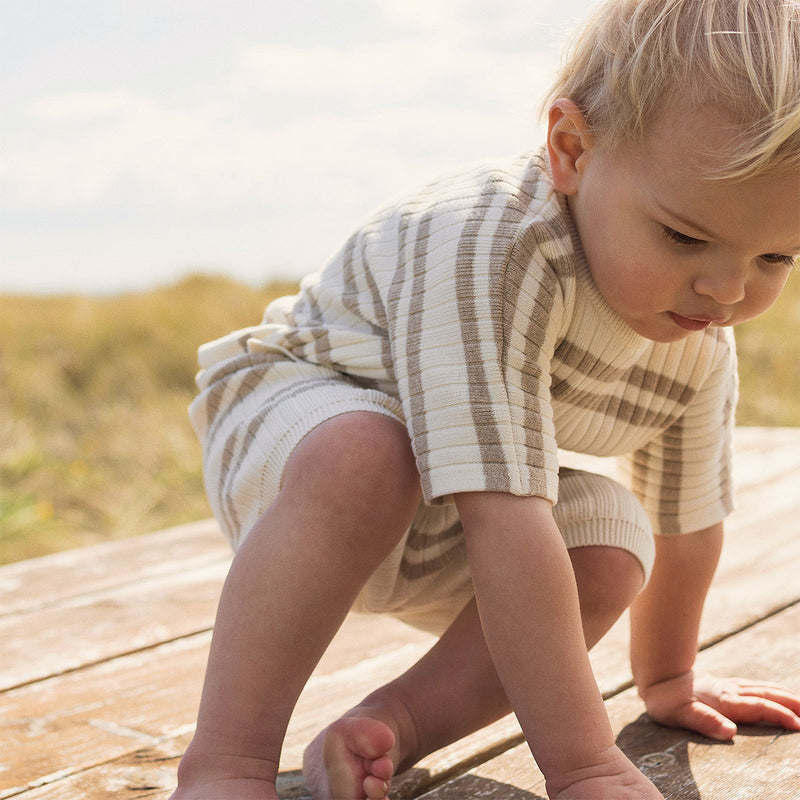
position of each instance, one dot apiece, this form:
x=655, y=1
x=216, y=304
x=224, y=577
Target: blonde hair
x=634, y=58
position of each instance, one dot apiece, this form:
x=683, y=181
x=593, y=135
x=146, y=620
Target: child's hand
x=712, y=706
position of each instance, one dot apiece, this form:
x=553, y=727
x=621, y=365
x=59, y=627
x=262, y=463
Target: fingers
x=714, y=705
x=756, y=704
x=773, y=693
x=707, y=721
x=759, y=711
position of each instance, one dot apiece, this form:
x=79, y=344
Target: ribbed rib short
x=253, y=411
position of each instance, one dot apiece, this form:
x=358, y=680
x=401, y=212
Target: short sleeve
x=683, y=477
x=473, y=316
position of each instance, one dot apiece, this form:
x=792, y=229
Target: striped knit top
x=472, y=302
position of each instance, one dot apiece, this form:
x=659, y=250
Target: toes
x=382, y=767
x=375, y=788
x=368, y=738
x=351, y=759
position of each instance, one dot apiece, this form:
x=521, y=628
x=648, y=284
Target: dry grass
x=95, y=442
x=769, y=363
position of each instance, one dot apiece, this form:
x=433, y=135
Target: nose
x=723, y=283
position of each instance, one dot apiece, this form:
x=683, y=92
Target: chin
x=663, y=334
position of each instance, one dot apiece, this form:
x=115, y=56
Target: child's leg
x=454, y=689
x=349, y=491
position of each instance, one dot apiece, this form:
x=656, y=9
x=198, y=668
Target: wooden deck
x=102, y=653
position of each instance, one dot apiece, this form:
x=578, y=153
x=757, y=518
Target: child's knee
x=615, y=566
x=596, y=511
x=608, y=578
x=361, y=457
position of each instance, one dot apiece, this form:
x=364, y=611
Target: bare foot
x=235, y=789
x=351, y=760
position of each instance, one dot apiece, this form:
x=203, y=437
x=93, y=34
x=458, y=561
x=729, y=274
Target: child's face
x=673, y=253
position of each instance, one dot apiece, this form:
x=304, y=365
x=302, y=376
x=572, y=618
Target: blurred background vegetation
x=95, y=442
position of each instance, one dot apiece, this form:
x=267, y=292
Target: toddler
x=386, y=441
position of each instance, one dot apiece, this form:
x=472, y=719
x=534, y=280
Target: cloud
x=87, y=140
x=386, y=107
x=452, y=50
x=414, y=71
x=403, y=66
x=498, y=25
x=87, y=106
x=421, y=14
x=252, y=134
x=294, y=131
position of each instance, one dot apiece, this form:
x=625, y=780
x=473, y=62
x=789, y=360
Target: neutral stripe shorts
x=254, y=411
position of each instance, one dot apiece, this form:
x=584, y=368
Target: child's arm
x=528, y=603
x=665, y=623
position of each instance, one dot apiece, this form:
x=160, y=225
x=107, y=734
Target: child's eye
x=680, y=238
x=777, y=258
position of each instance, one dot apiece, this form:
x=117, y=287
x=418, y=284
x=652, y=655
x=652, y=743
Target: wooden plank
x=90, y=628
x=148, y=774
x=143, y=614
x=761, y=762
x=326, y=699
x=42, y=582
x=74, y=722
x=323, y=701
x=59, y=727
x=684, y=766
x=167, y=585
x=116, y=588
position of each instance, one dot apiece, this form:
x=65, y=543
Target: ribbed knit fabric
x=426, y=580
x=472, y=303
x=595, y=510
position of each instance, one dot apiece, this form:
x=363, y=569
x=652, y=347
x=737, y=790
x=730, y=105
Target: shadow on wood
x=475, y=786
x=667, y=766
x=676, y=760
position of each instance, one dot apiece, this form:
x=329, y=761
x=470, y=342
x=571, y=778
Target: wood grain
x=104, y=648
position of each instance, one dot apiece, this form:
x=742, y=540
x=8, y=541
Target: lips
x=697, y=323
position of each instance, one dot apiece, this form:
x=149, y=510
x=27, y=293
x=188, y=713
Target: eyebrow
x=691, y=223
x=703, y=231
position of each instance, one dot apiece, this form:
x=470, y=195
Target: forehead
x=690, y=141
x=671, y=165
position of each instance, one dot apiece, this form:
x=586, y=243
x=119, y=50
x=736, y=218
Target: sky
x=144, y=140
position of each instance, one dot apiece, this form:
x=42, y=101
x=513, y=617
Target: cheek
x=646, y=282
x=771, y=293
x=761, y=295
x=627, y=267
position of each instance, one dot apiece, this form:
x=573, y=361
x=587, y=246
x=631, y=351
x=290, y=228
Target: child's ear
x=568, y=139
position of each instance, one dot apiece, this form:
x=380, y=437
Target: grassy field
x=95, y=442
